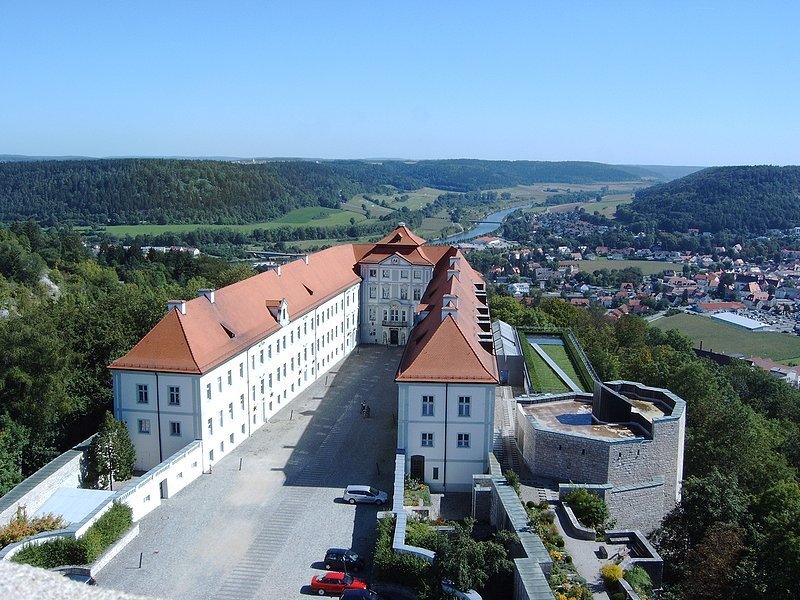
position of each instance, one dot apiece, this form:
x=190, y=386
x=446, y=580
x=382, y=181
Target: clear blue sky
x=678, y=82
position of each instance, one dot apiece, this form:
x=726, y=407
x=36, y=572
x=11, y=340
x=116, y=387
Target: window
x=262, y=385
x=219, y=384
x=230, y=377
x=208, y=391
x=372, y=292
x=417, y=293
x=210, y=427
x=261, y=356
x=144, y=426
x=386, y=291
x=373, y=272
x=278, y=347
x=241, y=401
x=230, y=410
x=403, y=293
x=221, y=447
x=269, y=351
x=291, y=337
x=174, y=395
x=394, y=315
x=270, y=381
x=292, y=363
x=284, y=342
x=230, y=439
x=403, y=274
x=278, y=372
x=463, y=440
x=463, y=406
x=141, y=393
x=284, y=369
x=175, y=428
x=385, y=273
x=211, y=455
x=253, y=361
x=241, y=369
x=427, y=440
x=220, y=418
x=435, y=472
x=417, y=275
x=427, y=406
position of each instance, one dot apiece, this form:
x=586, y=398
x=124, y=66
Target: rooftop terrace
x=575, y=416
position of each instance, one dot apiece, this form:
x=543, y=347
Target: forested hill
x=164, y=191
x=204, y=191
x=465, y=175
x=738, y=199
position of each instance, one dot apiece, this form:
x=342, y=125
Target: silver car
x=364, y=493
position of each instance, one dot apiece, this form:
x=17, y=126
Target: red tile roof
x=201, y=339
x=448, y=349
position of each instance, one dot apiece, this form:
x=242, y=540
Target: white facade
x=390, y=292
x=446, y=431
x=165, y=411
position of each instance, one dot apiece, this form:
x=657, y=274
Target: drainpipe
x=445, y=437
x=158, y=419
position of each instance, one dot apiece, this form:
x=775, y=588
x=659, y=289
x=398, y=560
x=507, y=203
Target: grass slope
x=549, y=381
x=561, y=358
x=721, y=337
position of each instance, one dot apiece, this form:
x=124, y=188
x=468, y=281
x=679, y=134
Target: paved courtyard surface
x=256, y=531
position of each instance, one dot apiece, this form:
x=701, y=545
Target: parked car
x=364, y=493
x=359, y=595
x=448, y=587
x=81, y=578
x=343, y=559
x=335, y=583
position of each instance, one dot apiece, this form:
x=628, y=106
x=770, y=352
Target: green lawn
x=608, y=205
x=416, y=200
x=648, y=267
x=561, y=358
x=550, y=382
x=721, y=337
x=310, y=215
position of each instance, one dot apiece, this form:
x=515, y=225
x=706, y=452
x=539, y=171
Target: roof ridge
x=186, y=339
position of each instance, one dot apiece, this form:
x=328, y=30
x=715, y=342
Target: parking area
x=255, y=527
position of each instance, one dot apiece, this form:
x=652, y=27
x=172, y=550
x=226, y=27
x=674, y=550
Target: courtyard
x=261, y=522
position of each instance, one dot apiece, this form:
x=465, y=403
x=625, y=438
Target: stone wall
x=64, y=471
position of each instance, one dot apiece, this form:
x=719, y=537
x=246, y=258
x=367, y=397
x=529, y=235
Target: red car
x=335, y=583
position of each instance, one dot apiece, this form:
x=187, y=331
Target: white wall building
x=217, y=367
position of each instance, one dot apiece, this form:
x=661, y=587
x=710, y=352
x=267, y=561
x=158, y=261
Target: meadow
x=648, y=267
x=721, y=337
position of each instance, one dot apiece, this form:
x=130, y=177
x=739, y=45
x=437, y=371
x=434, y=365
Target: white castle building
x=217, y=367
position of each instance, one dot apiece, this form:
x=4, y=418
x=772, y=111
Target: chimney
x=278, y=270
x=306, y=258
x=453, y=273
x=179, y=304
x=208, y=293
x=450, y=300
x=401, y=224
x=448, y=310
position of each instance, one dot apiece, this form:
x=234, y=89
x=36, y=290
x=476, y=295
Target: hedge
x=70, y=551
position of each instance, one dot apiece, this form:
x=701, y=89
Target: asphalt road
x=260, y=532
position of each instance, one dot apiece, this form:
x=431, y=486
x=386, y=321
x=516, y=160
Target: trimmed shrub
x=69, y=551
x=611, y=574
x=530, y=504
x=590, y=510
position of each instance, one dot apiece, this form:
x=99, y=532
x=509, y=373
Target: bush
x=639, y=580
x=390, y=566
x=513, y=480
x=611, y=574
x=619, y=596
x=69, y=551
x=530, y=504
x=590, y=510
x=22, y=527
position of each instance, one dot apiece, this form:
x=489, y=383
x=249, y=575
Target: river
x=489, y=224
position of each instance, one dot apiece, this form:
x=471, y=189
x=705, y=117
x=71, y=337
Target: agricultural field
x=721, y=337
x=416, y=200
x=301, y=217
x=648, y=267
x=608, y=205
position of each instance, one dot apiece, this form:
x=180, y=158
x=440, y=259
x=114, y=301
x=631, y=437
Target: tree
x=111, y=454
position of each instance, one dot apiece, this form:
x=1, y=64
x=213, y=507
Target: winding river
x=489, y=224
